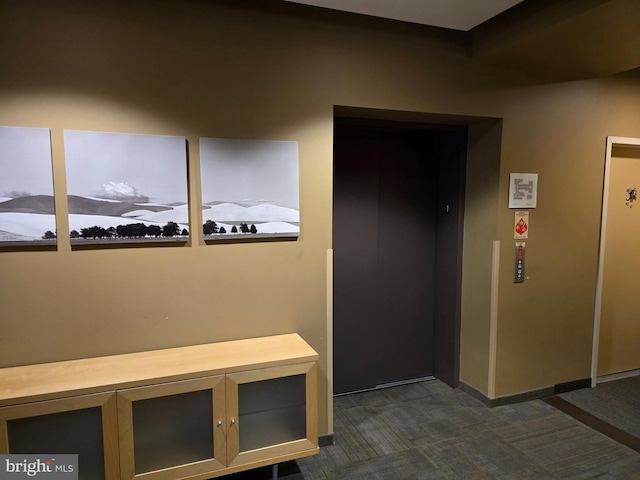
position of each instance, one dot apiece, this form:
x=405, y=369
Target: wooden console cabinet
x=191, y=412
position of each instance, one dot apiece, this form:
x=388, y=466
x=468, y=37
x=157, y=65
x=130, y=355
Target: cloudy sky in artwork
x=25, y=161
x=249, y=172
x=126, y=166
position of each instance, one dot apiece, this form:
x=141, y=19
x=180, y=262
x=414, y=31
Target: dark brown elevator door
x=384, y=240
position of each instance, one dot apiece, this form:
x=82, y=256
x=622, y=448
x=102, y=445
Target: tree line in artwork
x=133, y=230
x=140, y=230
x=210, y=227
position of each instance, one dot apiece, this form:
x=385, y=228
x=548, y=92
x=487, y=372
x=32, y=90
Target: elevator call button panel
x=519, y=265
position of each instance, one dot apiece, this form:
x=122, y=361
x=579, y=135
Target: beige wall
x=480, y=230
x=559, y=131
x=198, y=68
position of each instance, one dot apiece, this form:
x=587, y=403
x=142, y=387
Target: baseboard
x=571, y=386
x=477, y=394
x=617, y=376
x=522, y=397
x=326, y=440
x=525, y=396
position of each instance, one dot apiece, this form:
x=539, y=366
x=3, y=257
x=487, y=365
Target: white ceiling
x=453, y=14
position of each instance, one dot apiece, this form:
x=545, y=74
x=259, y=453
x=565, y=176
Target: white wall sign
x=523, y=190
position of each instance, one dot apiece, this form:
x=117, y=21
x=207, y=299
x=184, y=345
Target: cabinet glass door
x=172, y=430
x=85, y=426
x=270, y=412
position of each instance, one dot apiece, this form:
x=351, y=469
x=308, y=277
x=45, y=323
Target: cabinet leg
x=274, y=471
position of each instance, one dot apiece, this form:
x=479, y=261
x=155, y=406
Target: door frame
x=611, y=143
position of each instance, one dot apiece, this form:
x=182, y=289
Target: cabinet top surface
x=92, y=375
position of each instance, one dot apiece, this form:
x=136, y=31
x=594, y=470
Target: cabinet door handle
x=219, y=423
x=233, y=421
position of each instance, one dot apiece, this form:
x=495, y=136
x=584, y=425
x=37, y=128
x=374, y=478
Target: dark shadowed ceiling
x=454, y=14
x=553, y=40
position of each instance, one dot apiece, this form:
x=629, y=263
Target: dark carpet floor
x=616, y=402
x=428, y=430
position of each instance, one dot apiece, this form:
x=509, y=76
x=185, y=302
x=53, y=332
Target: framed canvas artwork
x=27, y=207
x=126, y=188
x=250, y=188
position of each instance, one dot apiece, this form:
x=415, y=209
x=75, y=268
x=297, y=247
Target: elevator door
x=384, y=240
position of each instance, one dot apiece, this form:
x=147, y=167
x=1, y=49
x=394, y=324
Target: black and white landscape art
x=249, y=188
x=27, y=211
x=126, y=188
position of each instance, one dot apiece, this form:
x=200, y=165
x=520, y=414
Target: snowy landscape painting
x=126, y=188
x=27, y=212
x=249, y=188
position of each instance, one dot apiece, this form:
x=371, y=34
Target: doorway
x=617, y=302
x=397, y=242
